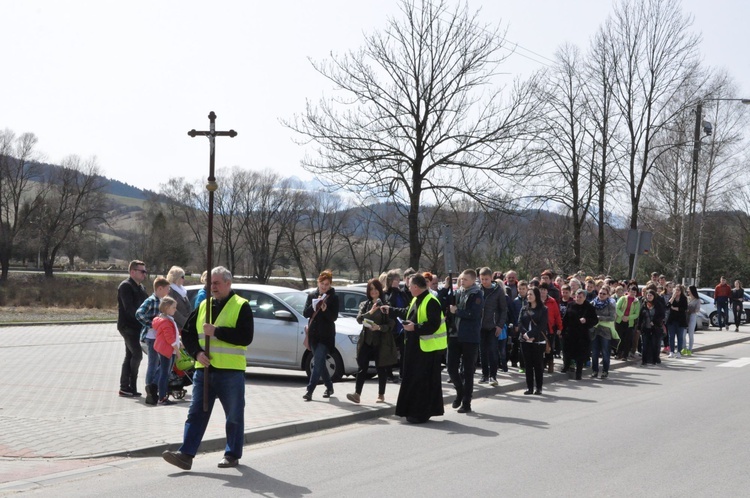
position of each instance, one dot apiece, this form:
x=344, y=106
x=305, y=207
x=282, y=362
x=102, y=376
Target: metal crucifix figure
x=211, y=186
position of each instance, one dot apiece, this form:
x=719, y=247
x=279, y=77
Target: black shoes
x=129, y=394
x=483, y=380
x=605, y=375
x=595, y=375
x=181, y=460
x=328, y=393
x=152, y=396
x=456, y=402
x=307, y=396
x=538, y=392
x=527, y=392
x=465, y=409
x=228, y=461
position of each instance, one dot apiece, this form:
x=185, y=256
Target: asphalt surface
x=61, y=416
x=675, y=430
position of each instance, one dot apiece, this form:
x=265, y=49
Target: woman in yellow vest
x=421, y=393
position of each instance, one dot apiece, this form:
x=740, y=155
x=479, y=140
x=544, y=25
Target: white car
x=280, y=331
x=709, y=293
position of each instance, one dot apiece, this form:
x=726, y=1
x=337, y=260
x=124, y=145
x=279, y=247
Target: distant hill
x=114, y=187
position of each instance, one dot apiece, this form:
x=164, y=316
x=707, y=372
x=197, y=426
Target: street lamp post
x=706, y=126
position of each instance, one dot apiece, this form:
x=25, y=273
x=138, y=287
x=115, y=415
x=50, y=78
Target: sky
x=126, y=81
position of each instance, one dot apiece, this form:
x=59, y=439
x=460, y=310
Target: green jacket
x=635, y=311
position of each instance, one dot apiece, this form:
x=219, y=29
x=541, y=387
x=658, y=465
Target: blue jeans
x=600, y=345
x=320, y=351
x=152, y=371
x=674, y=330
x=722, y=307
x=165, y=367
x=229, y=387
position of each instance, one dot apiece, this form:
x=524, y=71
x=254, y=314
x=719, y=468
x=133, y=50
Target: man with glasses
x=130, y=294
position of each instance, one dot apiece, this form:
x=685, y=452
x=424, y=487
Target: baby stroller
x=181, y=375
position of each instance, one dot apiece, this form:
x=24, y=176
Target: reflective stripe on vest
x=439, y=339
x=223, y=355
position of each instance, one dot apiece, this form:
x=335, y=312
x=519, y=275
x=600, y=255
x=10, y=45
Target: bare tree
x=74, y=198
x=186, y=204
x=267, y=208
x=416, y=114
x=565, y=149
x=20, y=191
x=655, y=59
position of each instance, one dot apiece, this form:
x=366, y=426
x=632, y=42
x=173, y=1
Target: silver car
x=280, y=331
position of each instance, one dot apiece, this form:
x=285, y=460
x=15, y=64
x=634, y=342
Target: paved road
x=678, y=430
x=59, y=406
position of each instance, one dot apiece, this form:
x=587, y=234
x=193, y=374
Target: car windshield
x=295, y=299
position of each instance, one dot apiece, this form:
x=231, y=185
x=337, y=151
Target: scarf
x=598, y=304
x=179, y=290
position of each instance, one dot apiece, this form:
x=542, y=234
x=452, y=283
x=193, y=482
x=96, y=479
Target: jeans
x=462, y=354
x=165, y=366
x=229, y=387
x=692, y=322
x=133, y=356
x=600, y=345
x=152, y=370
x=722, y=307
x=488, y=353
x=533, y=354
x=318, y=368
x=675, y=330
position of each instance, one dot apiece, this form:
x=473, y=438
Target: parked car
x=709, y=292
x=350, y=297
x=279, y=331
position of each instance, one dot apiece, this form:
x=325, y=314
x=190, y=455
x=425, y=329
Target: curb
x=34, y=324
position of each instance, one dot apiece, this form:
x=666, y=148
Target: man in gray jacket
x=494, y=315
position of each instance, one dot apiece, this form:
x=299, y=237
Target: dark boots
x=152, y=394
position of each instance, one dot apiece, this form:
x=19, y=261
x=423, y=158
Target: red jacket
x=166, y=335
x=722, y=290
x=554, y=319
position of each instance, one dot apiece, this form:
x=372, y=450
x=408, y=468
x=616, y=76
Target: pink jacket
x=166, y=335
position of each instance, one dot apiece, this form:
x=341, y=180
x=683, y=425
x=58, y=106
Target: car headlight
x=353, y=338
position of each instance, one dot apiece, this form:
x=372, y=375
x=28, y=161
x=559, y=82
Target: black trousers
x=133, y=357
x=533, y=355
x=462, y=354
x=367, y=353
x=626, y=339
x=516, y=358
x=488, y=353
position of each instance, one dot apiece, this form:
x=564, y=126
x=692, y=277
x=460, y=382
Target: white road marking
x=738, y=363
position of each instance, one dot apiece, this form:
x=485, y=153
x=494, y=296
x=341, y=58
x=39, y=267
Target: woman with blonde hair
x=177, y=291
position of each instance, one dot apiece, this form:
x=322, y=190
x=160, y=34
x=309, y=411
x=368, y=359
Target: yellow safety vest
x=223, y=355
x=439, y=339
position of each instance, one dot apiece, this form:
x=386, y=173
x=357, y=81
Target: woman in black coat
x=322, y=309
x=532, y=332
x=651, y=325
x=677, y=320
x=579, y=317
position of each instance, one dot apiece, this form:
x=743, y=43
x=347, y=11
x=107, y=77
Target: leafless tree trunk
x=20, y=196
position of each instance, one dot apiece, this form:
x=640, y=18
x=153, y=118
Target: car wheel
x=714, y=318
x=334, y=364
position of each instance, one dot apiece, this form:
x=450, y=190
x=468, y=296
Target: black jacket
x=323, y=328
x=130, y=295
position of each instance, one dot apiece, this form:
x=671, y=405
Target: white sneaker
x=670, y=355
x=678, y=355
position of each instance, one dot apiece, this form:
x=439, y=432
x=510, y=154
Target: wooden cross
x=211, y=186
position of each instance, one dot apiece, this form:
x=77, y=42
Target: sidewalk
x=59, y=400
